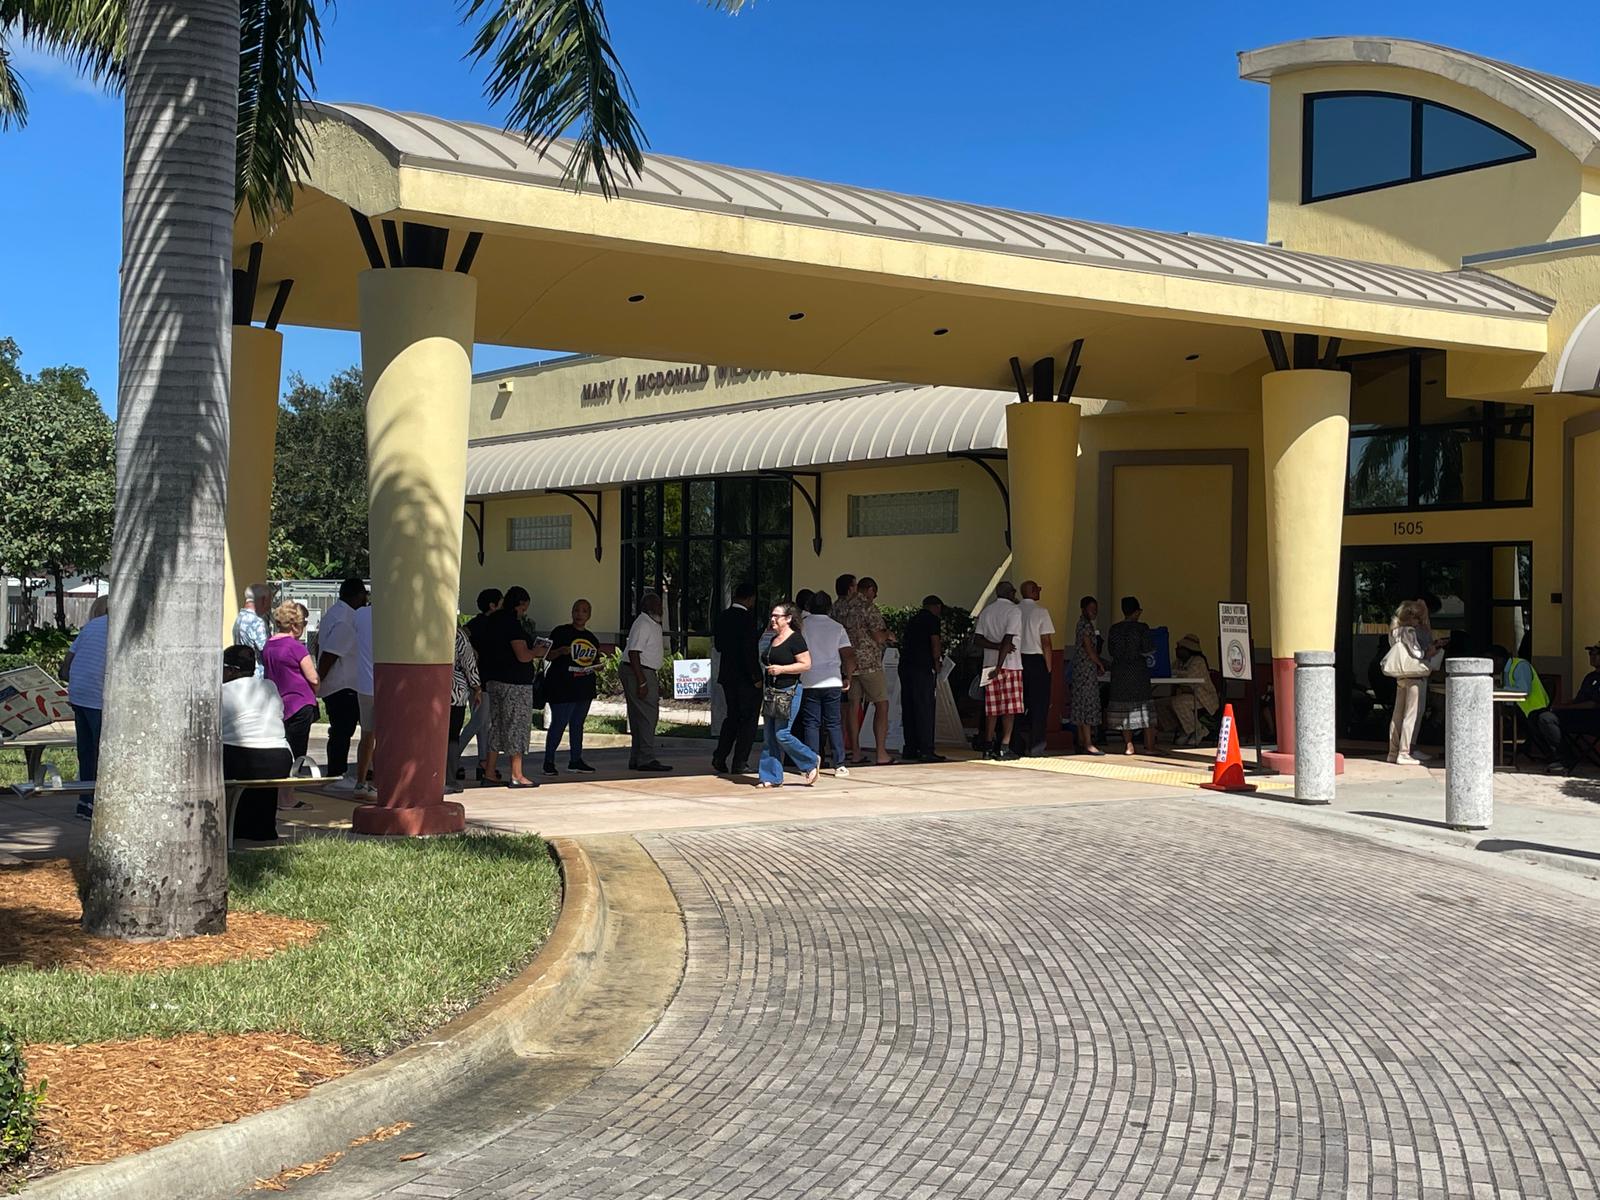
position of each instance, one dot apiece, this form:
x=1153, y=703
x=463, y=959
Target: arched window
x=1361, y=141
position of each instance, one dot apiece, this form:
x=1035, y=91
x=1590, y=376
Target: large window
x=539, y=533
x=1359, y=141
x=1414, y=448
x=693, y=540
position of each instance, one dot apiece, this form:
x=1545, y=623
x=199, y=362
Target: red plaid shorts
x=1003, y=696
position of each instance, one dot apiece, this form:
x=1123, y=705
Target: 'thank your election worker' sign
x=1234, y=622
x=691, y=679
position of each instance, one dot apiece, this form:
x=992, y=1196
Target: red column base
x=1281, y=761
x=422, y=820
x=412, y=706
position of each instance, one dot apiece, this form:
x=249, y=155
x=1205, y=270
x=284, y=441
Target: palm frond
x=553, y=60
x=90, y=34
x=13, y=103
x=280, y=44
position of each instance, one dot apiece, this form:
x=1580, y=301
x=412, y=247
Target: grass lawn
x=665, y=729
x=416, y=931
x=13, y=769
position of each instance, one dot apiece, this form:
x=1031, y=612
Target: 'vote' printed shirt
x=571, y=677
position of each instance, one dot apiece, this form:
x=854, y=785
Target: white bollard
x=1314, y=693
x=1468, y=743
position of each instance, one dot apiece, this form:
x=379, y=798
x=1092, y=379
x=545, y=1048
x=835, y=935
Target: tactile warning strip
x=1100, y=769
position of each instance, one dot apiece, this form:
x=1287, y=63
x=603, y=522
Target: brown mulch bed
x=40, y=911
x=112, y=1098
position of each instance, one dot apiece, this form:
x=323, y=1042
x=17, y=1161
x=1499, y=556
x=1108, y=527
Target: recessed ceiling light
x=940, y=332
x=636, y=298
x=1190, y=357
x=797, y=316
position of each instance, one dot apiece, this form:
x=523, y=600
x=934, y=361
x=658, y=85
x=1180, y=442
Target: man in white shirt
x=1036, y=648
x=365, y=702
x=998, y=631
x=336, y=667
x=641, y=684
x=833, y=663
x=250, y=626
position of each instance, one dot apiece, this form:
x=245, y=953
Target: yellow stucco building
x=1395, y=393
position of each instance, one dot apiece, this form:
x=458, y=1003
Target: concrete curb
x=225, y=1159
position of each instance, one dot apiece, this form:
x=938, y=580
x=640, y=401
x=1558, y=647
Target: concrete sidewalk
x=1552, y=820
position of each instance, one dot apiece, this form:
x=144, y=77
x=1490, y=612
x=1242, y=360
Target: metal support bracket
x=596, y=514
x=812, y=498
x=983, y=460
x=477, y=525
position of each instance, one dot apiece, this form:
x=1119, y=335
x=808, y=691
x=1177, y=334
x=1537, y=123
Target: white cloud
x=39, y=67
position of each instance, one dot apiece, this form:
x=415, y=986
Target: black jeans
x=917, y=711
x=257, y=816
x=458, y=717
x=739, y=726
x=344, y=714
x=297, y=729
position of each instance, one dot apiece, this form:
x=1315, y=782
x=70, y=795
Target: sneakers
x=550, y=769
x=580, y=767
x=1406, y=760
x=649, y=766
x=365, y=792
x=343, y=786
x=841, y=772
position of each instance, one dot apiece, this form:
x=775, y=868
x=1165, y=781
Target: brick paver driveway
x=1129, y=999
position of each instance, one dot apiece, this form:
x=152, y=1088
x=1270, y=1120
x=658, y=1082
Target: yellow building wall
x=1179, y=576
x=1434, y=222
x=1170, y=519
x=553, y=578
x=959, y=567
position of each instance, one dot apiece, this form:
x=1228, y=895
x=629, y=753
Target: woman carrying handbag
x=783, y=660
x=1409, y=666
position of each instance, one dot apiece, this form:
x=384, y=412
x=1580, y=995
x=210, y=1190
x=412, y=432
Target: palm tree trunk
x=157, y=853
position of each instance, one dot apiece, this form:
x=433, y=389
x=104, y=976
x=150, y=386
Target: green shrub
x=608, y=675
x=955, y=625
x=19, y=1104
x=45, y=647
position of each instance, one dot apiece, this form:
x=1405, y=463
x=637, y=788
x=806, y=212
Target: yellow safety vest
x=1537, y=697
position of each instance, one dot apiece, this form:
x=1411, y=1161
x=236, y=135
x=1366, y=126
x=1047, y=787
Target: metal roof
x=461, y=147
x=1563, y=108
x=858, y=427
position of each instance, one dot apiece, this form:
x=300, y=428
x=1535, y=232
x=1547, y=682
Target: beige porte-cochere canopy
x=707, y=263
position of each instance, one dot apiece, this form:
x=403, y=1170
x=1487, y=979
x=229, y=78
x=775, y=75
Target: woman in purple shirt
x=289, y=665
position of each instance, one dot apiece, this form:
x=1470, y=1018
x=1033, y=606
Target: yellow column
x=252, y=434
x=1305, y=419
x=416, y=359
x=1042, y=463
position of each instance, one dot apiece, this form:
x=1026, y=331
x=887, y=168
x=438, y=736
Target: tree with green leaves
x=319, y=481
x=56, y=476
x=197, y=76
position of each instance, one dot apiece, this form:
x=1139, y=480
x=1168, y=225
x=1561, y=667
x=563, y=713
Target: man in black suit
x=739, y=673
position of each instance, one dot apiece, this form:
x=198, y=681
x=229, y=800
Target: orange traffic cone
x=1227, y=774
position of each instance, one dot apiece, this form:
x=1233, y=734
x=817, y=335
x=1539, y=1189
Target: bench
x=233, y=789
x=33, y=752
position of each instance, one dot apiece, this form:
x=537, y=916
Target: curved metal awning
x=1578, y=371
x=889, y=424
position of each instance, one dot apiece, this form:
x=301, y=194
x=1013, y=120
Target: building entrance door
x=1483, y=590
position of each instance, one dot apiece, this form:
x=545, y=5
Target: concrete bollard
x=1313, y=727
x=1468, y=743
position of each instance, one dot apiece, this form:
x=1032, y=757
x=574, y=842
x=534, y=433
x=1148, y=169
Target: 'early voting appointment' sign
x=691, y=679
x=1234, y=622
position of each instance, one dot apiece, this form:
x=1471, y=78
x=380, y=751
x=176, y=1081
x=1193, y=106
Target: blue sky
x=1123, y=112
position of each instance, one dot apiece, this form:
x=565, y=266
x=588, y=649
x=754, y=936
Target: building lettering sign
x=690, y=378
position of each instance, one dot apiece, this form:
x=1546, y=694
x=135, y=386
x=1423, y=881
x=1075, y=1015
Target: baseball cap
x=1593, y=649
